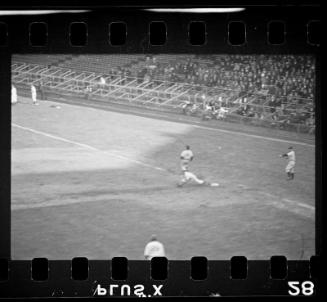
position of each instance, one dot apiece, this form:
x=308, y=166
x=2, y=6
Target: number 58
x=306, y=288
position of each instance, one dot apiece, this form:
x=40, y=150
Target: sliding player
x=186, y=157
x=291, y=163
x=189, y=176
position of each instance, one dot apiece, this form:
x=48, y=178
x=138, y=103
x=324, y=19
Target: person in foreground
x=154, y=249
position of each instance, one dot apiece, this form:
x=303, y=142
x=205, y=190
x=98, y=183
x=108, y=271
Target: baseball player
x=33, y=92
x=186, y=157
x=13, y=95
x=154, y=249
x=188, y=176
x=291, y=163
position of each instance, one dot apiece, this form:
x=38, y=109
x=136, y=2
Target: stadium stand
x=102, y=64
x=41, y=59
x=270, y=90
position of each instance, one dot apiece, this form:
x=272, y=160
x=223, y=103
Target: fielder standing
x=291, y=163
x=186, y=157
x=33, y=92
x=13, y=95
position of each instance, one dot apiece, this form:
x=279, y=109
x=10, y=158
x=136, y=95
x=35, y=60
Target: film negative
x=153, y=151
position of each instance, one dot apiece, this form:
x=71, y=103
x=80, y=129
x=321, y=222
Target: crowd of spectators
x=283, y=75
x=283, y=84
x=284, y=80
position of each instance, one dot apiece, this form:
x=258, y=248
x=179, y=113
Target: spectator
x=154, y=249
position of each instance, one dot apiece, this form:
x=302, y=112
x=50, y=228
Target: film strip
x=98, y=166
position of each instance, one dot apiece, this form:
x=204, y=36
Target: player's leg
x=34, y=99
x=182, y=181
x=292, y=171
x=184, y=164
x=193, y=177
x=288, y=171
x=14, y=99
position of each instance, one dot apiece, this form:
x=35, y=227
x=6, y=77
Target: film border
x=19, y=284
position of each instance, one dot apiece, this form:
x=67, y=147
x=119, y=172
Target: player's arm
x=192, y=156
x=283, y=155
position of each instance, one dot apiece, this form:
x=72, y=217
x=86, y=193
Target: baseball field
x=97, y=183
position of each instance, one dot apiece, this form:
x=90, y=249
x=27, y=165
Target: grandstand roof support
x=68, y=73
x=113, y=91
x=80, y=77
x=148, y=84
x=43, y=71
x=115, y=81
x=171, y=88
x=35, y=68
x=68, y=81
x=141, y=95
x=176, y=88
x=142, y=85
x=24, y=67
x=150, y=101
x=20, y=68
x=54, y=72
x=175, y=97
x=121, y=80
x=131, y=83
x=90, y=77
x=162, y=84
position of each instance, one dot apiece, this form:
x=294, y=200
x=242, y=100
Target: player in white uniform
x=187, y=176
x=291, y=163
x=154, y=249
x=13, y=95
x=186, y=157
x=33, y=92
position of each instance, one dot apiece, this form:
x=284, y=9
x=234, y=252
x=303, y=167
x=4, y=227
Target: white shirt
x=154, y=249
x=14, y=92
x=187, y=154
x=33, y=89
x=102, y=81
x=291, y=155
